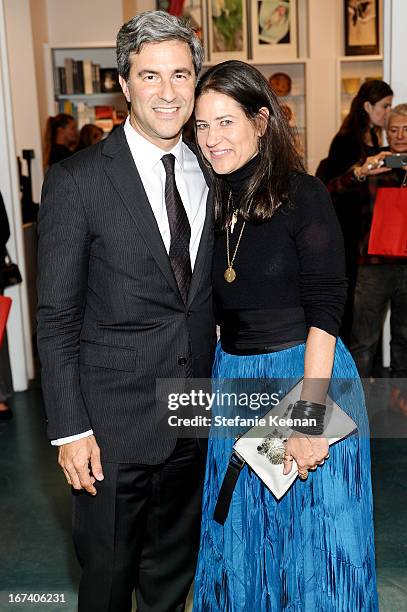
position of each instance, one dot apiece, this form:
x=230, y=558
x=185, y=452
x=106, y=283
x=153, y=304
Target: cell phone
x=396, y=161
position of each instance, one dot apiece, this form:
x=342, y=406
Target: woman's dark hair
x=357, y=121
x=268, y=187
x=51, y=129
x=86, y=136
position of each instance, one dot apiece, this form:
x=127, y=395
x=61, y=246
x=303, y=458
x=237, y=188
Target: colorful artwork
x=274, y=29
x=227, y=26
x=191, y=10
x=274, y=22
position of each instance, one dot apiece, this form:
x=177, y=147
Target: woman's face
x=71, y=134
x=379, y=112
x=225, y=135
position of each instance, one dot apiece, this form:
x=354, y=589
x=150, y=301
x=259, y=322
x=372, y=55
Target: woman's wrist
x=358, y=174
x=308, y=417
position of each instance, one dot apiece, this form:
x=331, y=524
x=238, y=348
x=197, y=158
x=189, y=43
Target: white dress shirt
x=192, y=189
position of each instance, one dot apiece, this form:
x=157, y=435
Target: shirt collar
x=145, y=152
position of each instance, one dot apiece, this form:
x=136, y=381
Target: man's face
x=161, y=89
x=397, y=134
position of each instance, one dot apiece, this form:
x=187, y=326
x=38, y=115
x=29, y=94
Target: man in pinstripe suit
x=117, y=310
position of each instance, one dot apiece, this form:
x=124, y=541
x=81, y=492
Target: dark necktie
x=179, y=228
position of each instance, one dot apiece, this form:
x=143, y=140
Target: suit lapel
x=122, y=172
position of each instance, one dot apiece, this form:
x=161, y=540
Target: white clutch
x=249, y=447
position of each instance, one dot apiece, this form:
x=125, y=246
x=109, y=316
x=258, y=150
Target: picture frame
x=227, y=30
x=191, y=10
x=273, y=30
x=361, y=27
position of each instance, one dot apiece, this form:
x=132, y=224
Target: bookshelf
x=82, y=81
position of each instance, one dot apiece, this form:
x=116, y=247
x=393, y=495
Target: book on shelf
x=87, y=77
x=68, y=64
x=104, y=112
x=80, y=77
x=104, y=116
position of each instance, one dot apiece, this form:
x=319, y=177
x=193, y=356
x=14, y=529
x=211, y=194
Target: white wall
x=23, y=85
x=39, y=28
x=83, y=20
x=18, y=326
x=395, y=47
x=324, y=48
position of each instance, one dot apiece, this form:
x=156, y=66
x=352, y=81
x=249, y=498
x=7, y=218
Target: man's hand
x=80, y=461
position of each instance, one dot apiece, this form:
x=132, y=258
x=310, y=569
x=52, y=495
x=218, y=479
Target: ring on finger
x=303, y=475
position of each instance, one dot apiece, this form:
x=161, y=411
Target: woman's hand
x=371, y=166
x=308, y=452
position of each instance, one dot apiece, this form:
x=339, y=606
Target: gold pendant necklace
x=230, y=272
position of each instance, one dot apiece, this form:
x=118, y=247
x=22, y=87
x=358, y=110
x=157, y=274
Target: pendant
x=233, y=222
x=229, y=275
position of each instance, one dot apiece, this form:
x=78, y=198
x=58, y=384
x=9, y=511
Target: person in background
x=6, y=385
x=359, y=136
x=381, y=281
x=61, y=138
x=89, y=135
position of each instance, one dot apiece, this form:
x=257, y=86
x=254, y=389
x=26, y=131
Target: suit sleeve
x=63, y=259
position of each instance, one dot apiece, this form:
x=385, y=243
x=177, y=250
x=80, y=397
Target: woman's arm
x=318, y=363
x=310, y=452
x=323, y=292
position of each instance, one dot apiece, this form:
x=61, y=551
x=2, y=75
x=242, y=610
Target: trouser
x=377, y=286
x=141, y=531
x=6, y=384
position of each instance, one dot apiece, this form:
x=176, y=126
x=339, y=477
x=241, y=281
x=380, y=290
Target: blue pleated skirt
x=312, y=551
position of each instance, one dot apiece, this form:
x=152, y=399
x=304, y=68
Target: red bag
x=5, y=305
x=388, y=233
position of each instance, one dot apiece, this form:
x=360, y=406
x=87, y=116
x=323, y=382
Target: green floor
x=35, y=544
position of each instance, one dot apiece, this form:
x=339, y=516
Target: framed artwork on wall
x=361, y=27
x=192, y=10
x=273, y=29
x=227, y=31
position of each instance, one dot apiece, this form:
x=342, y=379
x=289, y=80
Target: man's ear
x=262, y=120
x=125, y=89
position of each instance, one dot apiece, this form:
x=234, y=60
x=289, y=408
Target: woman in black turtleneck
x=279, y=289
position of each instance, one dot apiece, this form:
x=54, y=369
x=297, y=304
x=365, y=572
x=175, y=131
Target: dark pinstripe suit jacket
x=110, y=316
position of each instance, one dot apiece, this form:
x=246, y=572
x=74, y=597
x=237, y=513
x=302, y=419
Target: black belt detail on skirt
x=255, y=332
x=236, y=464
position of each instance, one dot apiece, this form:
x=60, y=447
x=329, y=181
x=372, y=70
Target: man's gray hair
x=400, y=109
x=154, y=27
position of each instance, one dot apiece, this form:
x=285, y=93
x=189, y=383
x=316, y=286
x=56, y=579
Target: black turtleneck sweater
x=292, y=263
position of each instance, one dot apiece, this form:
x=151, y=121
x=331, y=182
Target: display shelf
x=65, y=58
x=353, y=71
x=103, y=96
